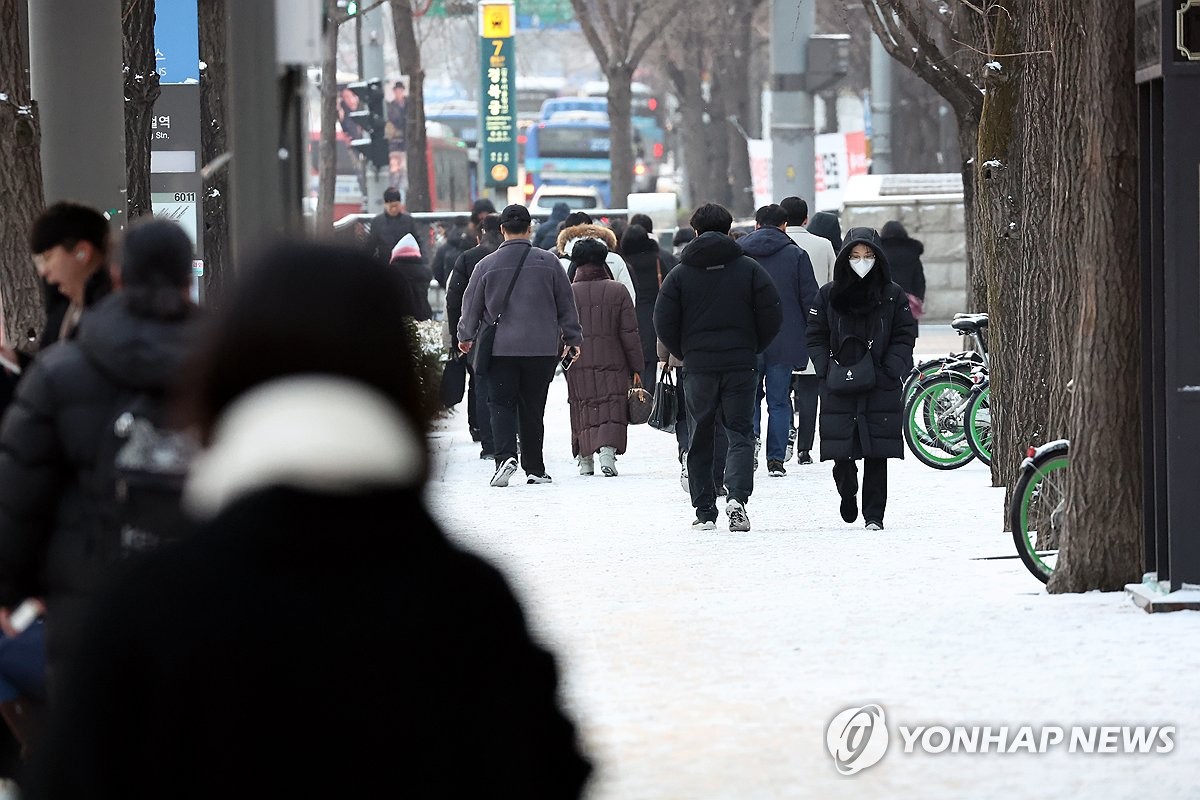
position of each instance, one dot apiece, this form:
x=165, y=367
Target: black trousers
x=683, y=434
x=730, y=396
x=479, y=413
x=806, y=388
x=517, y=388
x=874, y=487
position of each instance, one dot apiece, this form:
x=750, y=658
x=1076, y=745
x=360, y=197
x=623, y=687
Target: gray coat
x=541, y=313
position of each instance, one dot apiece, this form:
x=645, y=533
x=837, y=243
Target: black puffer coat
x=49, y=439
x=719, y=308
x=645, y=263
x=876, y=310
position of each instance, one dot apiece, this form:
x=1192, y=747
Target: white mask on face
x=862, y=266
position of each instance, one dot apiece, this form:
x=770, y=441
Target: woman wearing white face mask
x=860, y=338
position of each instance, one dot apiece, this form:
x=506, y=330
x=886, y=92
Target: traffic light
x=371, y=117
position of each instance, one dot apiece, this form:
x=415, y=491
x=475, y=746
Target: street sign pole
x=75, y=72
x=498, y=100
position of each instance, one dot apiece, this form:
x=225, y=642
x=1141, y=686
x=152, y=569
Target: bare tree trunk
x=1014, y=158
x=691, y=106
x=716, y=137
x=141, y=92
x=735, y=81
x=213, y=87
x=1100, y=545
x=620, y=131
x=416, y=150
x=326, y=148
x=21, y=197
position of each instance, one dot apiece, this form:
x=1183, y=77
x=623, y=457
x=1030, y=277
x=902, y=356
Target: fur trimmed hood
x=567, y=237
x=315, y=432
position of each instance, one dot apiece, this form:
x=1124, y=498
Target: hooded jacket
x=417, y=275
x=876, y=311
x=719, y=308
x=648, y=269
x=616, y=265
x=546, y=234
x=792, y=271
x=458, y=241
x=464, y=268
x=49, y=446
x=904, y=257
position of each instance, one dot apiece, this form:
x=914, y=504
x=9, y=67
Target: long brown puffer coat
x=599, y=380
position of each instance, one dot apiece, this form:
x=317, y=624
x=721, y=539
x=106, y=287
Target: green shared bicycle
x=1039, y=501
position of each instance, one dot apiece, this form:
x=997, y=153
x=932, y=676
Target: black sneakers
x=872, y=525
x=543, y=478
x=804, y=457
x=775, y=469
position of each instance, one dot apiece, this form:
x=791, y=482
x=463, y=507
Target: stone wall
x=938, y=224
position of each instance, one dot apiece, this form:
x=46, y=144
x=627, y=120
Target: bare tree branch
x=586, y=24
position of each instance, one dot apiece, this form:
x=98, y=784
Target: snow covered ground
x=708, y=665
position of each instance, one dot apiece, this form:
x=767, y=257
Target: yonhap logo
x=857, y=738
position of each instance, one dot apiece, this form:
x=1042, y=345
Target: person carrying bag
x=860, y=338
x=485, y=339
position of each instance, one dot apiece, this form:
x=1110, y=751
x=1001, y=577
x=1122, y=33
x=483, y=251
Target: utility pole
x=75, y=74
x=257, y=205
x=881, y=108
x=792, y=125
x=370, y=67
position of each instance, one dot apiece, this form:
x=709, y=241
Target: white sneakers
x=739, y=520
x=504, y=472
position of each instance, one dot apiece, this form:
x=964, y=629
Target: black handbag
x=852, y=378
x=666, y=403
x=485, y=337
x=454, y=382
x=639, y=402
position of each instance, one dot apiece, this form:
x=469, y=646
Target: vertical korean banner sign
x=176, y=189
x=497, y=109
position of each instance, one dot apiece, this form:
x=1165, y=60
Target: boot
x=586, y=466
x=608, y=461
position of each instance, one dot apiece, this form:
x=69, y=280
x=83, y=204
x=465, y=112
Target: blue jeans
x=778, y=379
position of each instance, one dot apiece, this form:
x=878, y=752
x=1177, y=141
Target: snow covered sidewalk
x=708, y=665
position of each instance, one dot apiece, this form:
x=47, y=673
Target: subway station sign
x=498, y=99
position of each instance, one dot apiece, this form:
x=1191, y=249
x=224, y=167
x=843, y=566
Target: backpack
x=141, y=468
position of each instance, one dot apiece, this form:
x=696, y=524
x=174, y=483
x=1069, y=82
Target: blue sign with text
x=177, y=41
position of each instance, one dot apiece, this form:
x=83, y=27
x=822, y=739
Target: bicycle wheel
x=959, y=362
x=979, y=424
x=1038, y=502
x=935, y=421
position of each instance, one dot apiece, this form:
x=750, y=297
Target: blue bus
x=648, y=128
x=569, y=151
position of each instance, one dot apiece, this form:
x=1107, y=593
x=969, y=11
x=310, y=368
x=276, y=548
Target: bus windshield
x=573, y=142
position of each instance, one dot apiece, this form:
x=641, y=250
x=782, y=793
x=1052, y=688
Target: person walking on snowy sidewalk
x=540, y=325
x=598, y=381
x=717, y=311
x=860, y=339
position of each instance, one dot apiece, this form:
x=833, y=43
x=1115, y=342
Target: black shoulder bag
x=852, y=378
x=485, y=337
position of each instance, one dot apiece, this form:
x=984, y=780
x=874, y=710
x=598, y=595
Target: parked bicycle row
x=948, y=423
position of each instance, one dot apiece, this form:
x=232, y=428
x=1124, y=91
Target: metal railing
x=432, y=217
